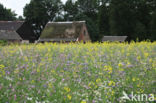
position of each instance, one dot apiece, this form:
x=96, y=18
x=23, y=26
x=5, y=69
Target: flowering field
x=76, y=73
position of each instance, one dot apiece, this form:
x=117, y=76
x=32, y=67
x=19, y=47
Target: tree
x=6, y=14
x=39, y=12
x=153, y=26
x=122, y=18
x=140, y=31
x=103, y=20
x=143, y=15
x=70, y=10
x=89, y=8
x=20, y=18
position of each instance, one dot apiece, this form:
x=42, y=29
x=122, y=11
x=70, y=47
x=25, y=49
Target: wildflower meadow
x=77, y=72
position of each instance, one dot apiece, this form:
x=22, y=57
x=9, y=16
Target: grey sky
x=17, y=5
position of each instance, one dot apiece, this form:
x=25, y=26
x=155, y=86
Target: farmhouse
x=114, y=38
x=8, y=31
x=65, y=32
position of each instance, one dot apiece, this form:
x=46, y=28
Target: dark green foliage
x=89, y=8
x=140, y=31
x=143, y=15
x=6, y=14
x=70, y=9
x=121, y=18
x=103, y=20
x=20, y=18
x=39, y=12
x=153, y=27
x=3, y=42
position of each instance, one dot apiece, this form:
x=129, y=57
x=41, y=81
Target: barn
x=65, y=32
x=114, y=38
x=8, y=31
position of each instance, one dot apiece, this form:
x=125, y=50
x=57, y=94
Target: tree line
x=133, y=18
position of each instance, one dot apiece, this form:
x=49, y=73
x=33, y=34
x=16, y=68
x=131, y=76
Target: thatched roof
x=62, y=30
x=10, y=25
x=114, y=38
x=8, y=30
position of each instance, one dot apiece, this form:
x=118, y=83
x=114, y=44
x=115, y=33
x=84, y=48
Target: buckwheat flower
x=29, y=98
x=85, y=86
x=8, y=78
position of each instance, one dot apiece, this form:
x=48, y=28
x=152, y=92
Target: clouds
x=17, y=5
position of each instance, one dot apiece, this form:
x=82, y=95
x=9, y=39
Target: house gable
x=63, y=31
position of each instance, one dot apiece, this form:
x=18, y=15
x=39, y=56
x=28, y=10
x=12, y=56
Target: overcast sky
x=17, y=5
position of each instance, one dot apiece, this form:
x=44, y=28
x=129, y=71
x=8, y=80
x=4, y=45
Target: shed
x=114, y=38
x=8, y=31
x=65, y=32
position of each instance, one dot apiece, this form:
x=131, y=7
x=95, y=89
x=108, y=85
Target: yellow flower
x=83, y=101
x=150, y=60
x=67, y=89
x=113, y=92
x=26, y=58
x=50, y=85
x=32, y=81
x=111, y=83
x=52, y=71
x=108, y=68
x=146, y=55
x=38, y=70
x=2, y=66
x=20, y=78
x=98, y=80
x=3, y=73
x=119, y=65
x=138, y=85
x=69, y=97
x=92, y=85
x=134, y=79
x=138, y=58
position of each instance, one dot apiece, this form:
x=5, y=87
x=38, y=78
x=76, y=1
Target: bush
x=3, y=42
